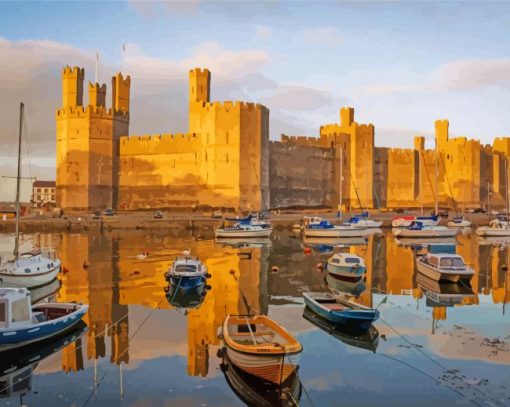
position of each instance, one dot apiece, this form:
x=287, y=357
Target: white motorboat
x=444, y=267
x=318, y=227
x=243, y=230
x=459, y=222
x=346, y=265
x=363, y=221
x=419, y=230
x=29, y=269
x=496, y=228
x=405, y=221
x=186, y=271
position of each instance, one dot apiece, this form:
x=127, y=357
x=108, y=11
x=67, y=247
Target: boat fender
x=208, y=287
x=320, y=266
x=166, y=289
x=307, y=250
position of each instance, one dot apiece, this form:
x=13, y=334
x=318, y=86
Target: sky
x=401, y=65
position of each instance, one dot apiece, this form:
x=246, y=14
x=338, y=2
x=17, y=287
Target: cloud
x=455, y=76
x=298, y=98
x=152, y=9
x=322, y=36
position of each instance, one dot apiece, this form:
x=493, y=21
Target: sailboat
x=30, y=269
x=498, y=227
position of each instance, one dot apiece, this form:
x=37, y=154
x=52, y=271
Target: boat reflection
x=254, y=391
x=45, y=292
x=18, y=365
x=241, y=243
x=445, y=294
x=186, y=297
x=345, y=285
x=417, y=243
x=493, y=240
x=317, y=242
x=363, y=339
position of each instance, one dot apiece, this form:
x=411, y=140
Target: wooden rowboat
x=260, y=346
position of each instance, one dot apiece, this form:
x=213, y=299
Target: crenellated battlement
x=158, y=138
x=401, y=153
x=74, y=71
x=87, y=111
x=229, y=106
x=159, y=144
x=302, y=140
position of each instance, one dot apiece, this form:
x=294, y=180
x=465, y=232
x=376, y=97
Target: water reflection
x=129, y=322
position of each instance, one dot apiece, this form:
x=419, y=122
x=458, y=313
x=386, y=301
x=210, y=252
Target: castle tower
x=87, y=142
x=72, y=86
x=97, y=95
x=441, y=132
x=199, y=95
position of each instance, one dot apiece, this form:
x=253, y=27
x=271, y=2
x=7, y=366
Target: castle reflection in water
x=104, y=271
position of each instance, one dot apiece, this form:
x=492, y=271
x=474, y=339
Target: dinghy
x=346, y=265
x=260, y=346
x=444, y=267
x=419, y=230
x=495, y=228
x=186, y=272
x=339, y=311
x=22, y=324
x=404, y=221
x=459, y=222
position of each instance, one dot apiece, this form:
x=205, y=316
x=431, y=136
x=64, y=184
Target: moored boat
x=459, y=222
x=318, y=227
x=496, y=227
x=22, y=324
x=339, y=311
x=444, y=267
x=419, y=230
x=186, y=298
x=346, y=264
x=244, y=230
x=445, y=294
x=404, y=221
x=260, y=346
x=186, y=272
x=363, y=220
x=339, y=285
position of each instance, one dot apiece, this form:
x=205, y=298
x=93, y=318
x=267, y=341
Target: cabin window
x=20, y=311
x=433, y=261
x=3, y=317
x=27, y=271
x=352, y=260
x=335, y=261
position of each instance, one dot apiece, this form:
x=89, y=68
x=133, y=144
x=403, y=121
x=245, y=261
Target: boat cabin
x=445, y=261
x=316, y=222
x=15, y=307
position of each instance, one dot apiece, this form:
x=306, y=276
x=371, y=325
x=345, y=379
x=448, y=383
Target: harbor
x=445, y=341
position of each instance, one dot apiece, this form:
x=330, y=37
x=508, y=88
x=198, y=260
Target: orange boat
x=260, y=346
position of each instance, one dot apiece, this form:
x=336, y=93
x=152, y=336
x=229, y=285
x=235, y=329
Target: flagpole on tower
x=97, y=64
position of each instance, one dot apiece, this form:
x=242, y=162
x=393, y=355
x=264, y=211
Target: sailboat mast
x=436, y=180
x=420, y=173
x=506, y=186
x=340, y=199
x=18, y=181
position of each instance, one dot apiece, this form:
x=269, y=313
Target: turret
x=419, y=143
x=120, y=93
x=441, y=132
x=346, y=116
x=199, y=85
x=97, y=95
x=72, y=86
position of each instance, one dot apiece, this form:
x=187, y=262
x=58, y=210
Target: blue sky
x=402, y=65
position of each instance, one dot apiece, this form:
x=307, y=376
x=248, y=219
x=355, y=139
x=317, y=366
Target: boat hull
x=336, y=232
x=29, y=281
x=369, y=223
x=436, y=274
x=271, y=368
x=400, y=232
x=492, y=232
x=345, y=271
x=186, y=282
x=226, y=233
x=361, y=319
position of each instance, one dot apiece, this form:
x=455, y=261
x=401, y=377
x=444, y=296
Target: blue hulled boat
x=186, y=272
x=22, y=324
x=340, y=312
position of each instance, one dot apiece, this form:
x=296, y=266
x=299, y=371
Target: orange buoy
x=307, y=250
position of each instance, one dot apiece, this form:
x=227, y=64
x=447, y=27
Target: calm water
x=433, y=345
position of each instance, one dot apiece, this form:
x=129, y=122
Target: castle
x=227, y=160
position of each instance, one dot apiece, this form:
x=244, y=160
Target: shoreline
x=185, y=221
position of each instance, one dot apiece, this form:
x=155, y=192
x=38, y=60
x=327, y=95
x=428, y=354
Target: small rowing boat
x=339, y=311
x=260, y=346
